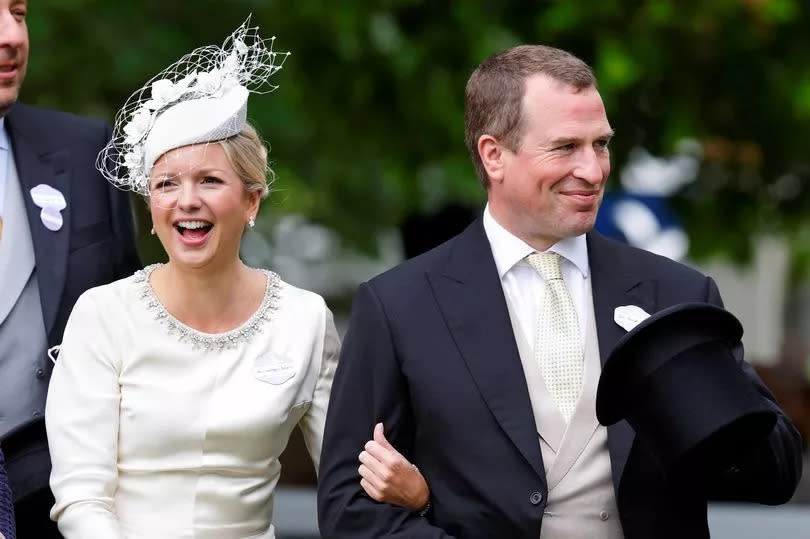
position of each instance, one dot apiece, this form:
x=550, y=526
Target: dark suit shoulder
x=416, y=267
x=55, y=126
x=628, y=259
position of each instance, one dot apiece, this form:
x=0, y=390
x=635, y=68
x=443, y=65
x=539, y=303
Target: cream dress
x=159, y=431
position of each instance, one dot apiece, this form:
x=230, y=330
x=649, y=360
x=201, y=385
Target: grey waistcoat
x=24, y=365
x=581, y=502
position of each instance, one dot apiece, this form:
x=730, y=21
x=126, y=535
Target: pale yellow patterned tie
x=558, y=349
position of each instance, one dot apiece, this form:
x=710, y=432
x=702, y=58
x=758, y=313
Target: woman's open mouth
x=193, y=233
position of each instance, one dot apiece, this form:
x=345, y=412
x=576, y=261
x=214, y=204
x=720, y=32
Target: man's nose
x=12, y=32
x=591, y=167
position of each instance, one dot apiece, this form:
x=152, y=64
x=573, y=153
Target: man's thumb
x=379, y=436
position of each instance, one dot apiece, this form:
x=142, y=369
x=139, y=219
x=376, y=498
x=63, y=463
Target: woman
x=176, y=389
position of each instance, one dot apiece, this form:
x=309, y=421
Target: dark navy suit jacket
x=431, y=353
x=94, y=246
x=6, y=507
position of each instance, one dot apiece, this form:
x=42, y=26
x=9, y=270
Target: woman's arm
x=313, y=421
x=369, y=388
x=387, y=476
x=81, y=416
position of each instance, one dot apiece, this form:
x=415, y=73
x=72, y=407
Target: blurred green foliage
x=367, y=125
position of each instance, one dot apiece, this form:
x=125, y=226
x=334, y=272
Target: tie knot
x=546, y=264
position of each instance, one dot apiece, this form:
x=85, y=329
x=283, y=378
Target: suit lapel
x=615, y=284
x=37, y=165
x=470, y=296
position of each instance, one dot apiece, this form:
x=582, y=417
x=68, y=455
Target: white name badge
x=273, y=369
x=629, y=316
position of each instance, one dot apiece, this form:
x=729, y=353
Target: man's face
x=551, y=186
x=13, y=50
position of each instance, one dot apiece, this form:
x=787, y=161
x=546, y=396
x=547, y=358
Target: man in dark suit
x=481, y=357
x=64, y=230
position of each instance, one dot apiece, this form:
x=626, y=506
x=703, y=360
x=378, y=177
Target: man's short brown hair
x=493, y=100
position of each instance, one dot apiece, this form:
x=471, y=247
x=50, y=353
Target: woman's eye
x=211, y=179
x=164, y=184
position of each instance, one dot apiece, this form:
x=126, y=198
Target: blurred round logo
x=642, y=221
x=639, y=213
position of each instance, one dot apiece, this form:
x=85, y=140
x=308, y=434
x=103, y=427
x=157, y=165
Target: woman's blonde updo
x=248, y=156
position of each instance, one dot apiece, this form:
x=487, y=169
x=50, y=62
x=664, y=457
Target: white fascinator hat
x=200, y=98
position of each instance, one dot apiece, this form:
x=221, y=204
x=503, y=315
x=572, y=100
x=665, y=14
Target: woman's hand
x=388, y=477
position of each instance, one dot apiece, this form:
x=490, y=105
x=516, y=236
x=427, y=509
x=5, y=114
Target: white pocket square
x=629, y=316
x=52, y=202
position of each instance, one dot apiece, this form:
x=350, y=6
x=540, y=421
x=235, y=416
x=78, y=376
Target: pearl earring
x=152, y=231
x=251, y=222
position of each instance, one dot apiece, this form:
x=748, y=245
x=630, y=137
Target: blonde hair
x=247, y=154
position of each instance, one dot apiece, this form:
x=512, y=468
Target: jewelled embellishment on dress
x=208, y=342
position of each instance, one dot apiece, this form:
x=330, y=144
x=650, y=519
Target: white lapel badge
x=629, y=316
x=52, y=202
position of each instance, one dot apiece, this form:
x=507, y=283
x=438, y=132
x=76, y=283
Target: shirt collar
x=4, y=144
x=508, y=249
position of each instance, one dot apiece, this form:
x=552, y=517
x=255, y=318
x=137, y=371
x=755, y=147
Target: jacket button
x=536, y=498
x=604, y=515
x=40, y=373
x=35, y=414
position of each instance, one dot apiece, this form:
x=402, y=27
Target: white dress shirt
x=523, y=287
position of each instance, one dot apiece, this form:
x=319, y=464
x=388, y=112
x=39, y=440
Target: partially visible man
x=482, y=357
x=64, y=229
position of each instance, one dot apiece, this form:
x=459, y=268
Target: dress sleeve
x=313, y=421
x=81, y=416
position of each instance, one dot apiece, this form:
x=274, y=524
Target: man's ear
x=492, y=156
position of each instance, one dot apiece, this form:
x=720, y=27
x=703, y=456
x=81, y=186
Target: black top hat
x=675, y=380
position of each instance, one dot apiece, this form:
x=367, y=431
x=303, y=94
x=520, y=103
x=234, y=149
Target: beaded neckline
x=210, y=341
